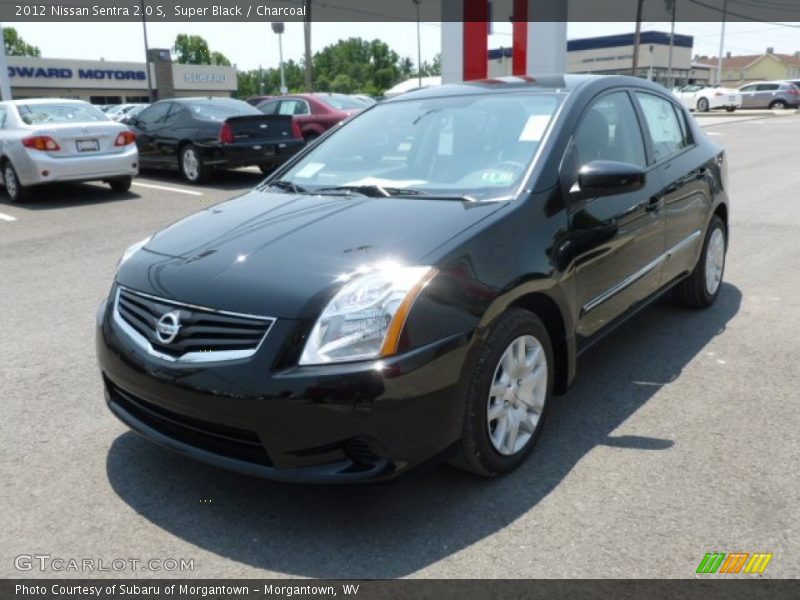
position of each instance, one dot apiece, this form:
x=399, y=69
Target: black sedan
x=198, y=135
x=417, y=284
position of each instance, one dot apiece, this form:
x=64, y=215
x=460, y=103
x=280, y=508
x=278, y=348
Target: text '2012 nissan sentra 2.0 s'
x=417, y=284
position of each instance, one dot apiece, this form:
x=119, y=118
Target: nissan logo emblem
x=168, y=326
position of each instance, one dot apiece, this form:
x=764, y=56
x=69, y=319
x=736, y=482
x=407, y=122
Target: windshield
x=219, y=110
x=60, y=112
x=477, y=146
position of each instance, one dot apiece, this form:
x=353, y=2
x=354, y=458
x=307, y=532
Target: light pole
x=5, y=85
x=278, y=28
x=637, y=38
x=721, y=43
x=146, y=56
x=419, y=46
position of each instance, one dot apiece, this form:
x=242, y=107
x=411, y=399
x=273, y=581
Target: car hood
x=280, y=255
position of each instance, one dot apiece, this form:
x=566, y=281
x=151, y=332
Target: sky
x=250, y=45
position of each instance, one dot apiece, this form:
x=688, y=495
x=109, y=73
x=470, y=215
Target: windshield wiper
x=373, y=191
x=283, y=184
x=378, y=191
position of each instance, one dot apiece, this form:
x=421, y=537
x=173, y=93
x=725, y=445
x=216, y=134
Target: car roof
x=525, y=83
x=46, y=101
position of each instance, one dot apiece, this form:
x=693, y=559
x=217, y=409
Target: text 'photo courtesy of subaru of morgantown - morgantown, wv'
x=418, y=283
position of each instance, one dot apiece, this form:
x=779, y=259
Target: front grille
x=239, y=444
x=203, y=333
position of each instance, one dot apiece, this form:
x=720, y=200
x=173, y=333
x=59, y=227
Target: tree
x=193, y=50
x=16, y=46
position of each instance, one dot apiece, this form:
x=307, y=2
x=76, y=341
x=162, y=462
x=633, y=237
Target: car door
x=170, y=131
x=147, y=127
x=618, y=240
x=684, y=179
x=765, y=94
x=748, y=93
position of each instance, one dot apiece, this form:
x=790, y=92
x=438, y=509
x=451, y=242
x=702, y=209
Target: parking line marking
x=168, y=189
x=5, y=217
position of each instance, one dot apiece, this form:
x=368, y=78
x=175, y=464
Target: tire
x=486, y=449
x=779, y=104
x=17, y=193
x=266, y=168
x=730, y=108
x=702, y=105
x=701, y=288
x=120, y=184
x=310, y=138
x=191, y=166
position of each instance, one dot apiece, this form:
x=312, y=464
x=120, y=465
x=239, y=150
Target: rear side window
x=662, y=124
x=293, y=107
x=767, y=87
x=609, y=130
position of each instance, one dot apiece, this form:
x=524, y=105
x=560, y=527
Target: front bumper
x=348, y=422
x=76, y=168
x=240, y=154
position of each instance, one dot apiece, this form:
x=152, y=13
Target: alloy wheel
x=715, y=261
x=517, y=395
x=191, y=164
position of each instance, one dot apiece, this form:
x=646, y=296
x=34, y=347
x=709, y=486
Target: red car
x=315, y=113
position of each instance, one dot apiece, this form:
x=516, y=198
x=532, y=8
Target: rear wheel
x=15, y=190
x=779, y=104
x=121, y=184
x=192, y=167
x=702, y=105
x=507, y=394
x=701, y=288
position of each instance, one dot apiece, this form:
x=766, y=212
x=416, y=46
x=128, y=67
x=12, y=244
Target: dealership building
x=111, y=82
x=613, y=55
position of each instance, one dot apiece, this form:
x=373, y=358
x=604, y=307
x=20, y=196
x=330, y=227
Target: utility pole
x=278, y=28
x=307, y=37
x=146, y=55
x=670, y=81
x=721, y=43
x=637, y=38
x=419, y=47
x=5, y=86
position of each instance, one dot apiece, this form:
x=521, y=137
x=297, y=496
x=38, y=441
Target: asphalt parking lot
x=681, y=435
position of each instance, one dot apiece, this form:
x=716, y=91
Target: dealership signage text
x=66, y=73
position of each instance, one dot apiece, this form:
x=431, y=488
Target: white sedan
x=51, y=140
x=703, y=98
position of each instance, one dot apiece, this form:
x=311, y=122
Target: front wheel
x=192, y=167
x=15, y=190
x=701, y=288
x=507, y=392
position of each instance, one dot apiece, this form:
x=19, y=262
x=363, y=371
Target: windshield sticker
x=534, y=128
x=497, y=177
x=310, y=170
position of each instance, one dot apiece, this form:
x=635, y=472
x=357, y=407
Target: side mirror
x=607, y=178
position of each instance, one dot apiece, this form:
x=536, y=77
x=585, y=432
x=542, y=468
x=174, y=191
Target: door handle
x=652, y=204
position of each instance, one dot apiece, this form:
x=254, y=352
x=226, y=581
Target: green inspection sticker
x=497, y=177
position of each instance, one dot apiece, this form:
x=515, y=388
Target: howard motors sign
x=29, y=72
x=67, y=73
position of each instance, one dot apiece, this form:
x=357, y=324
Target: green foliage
x=352, y=66
x=16, y=46
x=193, y=50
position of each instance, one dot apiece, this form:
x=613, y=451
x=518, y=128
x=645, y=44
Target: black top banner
x=768, y=11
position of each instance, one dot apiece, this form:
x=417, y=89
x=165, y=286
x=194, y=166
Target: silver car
x=51, y=140
x=770, y=94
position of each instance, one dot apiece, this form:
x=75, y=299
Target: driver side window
x=155, y=114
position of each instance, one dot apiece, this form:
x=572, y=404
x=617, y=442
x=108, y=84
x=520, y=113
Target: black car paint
x=160, y=143
x=545, y=251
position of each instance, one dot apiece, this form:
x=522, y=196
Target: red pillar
x=476, y=39
x=519, y=54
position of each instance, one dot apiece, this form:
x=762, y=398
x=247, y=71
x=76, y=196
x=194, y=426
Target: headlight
x=133, y=249
x=365, y=319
